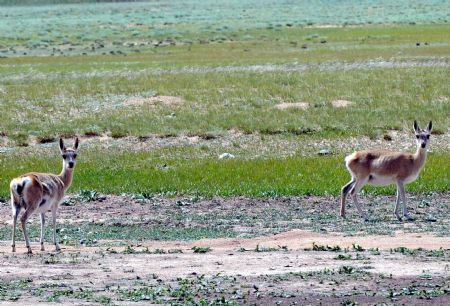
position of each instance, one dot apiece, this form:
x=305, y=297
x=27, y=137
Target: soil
x=300, y=105
x=164, y=100
x=267, y=267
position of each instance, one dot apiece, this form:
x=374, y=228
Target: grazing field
x=158, y=91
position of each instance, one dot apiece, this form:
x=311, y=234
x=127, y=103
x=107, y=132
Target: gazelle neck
x=66, y=176
x=420, y=155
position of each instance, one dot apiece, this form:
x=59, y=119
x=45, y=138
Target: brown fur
x=387, y=163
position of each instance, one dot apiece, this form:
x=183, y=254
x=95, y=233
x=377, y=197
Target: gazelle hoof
x=409, y=218
x=42, y=248
x=29, y=251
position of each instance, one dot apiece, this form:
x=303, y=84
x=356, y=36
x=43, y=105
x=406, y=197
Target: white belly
x=380, y=180
x=49, y=202
x=411, y=178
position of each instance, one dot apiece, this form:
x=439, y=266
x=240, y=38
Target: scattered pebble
x=226, y=156
x=325, y=152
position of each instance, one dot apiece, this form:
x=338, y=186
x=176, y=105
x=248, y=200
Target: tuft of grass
x=317, y=247
x=201, y=250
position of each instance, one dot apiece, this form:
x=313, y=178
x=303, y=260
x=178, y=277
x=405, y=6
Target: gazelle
x=41, y=192
x=382, y=167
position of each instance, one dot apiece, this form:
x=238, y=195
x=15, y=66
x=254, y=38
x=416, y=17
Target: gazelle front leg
x=397, y=202
x=403, y=196
x=42, y=231
x=57, y=248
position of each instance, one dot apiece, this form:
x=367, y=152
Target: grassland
x=227, y=88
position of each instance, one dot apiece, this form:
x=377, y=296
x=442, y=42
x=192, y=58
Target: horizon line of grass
x=148, y=173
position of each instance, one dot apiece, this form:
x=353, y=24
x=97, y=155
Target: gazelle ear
x=430, y=126
x=61, y=145
x=416, y=127
x=75, y=146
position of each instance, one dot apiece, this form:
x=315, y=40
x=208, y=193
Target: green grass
x=67, y=95
x=140, y=172
x=216, y=102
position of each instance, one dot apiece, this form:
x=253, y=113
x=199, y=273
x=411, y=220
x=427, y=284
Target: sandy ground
x=282, y=267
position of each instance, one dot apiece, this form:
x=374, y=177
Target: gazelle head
x=69, y=155
x=422, y=136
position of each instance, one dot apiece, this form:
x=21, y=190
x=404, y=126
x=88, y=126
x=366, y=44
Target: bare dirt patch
x=297, y=105
x=163, y=100
x=341, y=103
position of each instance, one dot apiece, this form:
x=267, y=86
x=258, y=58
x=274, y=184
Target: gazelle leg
x=57, y=248
x=42, y=231
x=15, y=215
x=23, y=221
x=359, y=184
x=397, y=203
x=344, y=192
x=405, y=210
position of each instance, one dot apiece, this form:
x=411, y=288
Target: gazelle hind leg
x=23, y=221
x=42, y=231
x=359, y=184
x=344, y=192
x=15, y=215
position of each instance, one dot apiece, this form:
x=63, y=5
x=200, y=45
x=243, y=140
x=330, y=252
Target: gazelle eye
x=74, y=156
x=417, y=136
x=428, y=136
x=64, y=156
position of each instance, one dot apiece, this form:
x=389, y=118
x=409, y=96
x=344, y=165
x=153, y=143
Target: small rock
x=325, y=152
x=226, y=156
x=431, y=219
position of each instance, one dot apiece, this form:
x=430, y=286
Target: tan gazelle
x=41, y=192
x=383, y=167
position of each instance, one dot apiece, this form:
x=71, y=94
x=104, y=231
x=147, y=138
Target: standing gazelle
x=41, y=192
x=382, y=167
